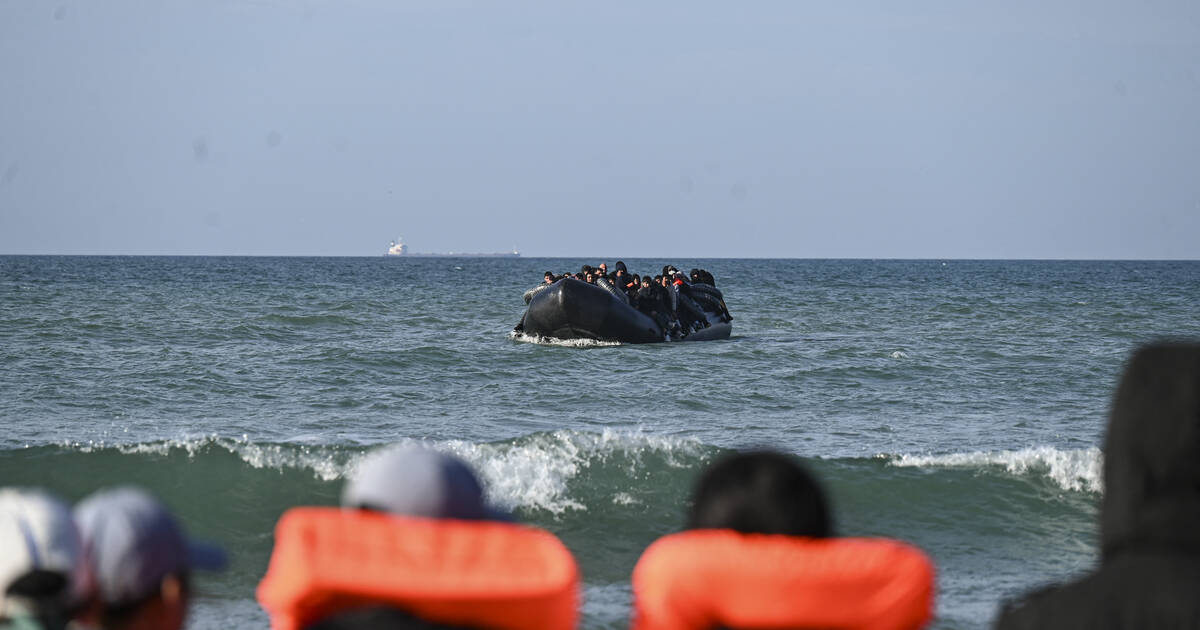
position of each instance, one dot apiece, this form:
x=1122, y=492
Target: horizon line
x=587, y=256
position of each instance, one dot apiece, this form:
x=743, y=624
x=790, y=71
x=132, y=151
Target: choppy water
x=955, y=404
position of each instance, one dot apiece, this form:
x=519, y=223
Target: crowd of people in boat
x=415, y=545
x=677, y=302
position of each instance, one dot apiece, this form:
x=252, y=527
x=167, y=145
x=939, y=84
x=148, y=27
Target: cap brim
x=206, y=557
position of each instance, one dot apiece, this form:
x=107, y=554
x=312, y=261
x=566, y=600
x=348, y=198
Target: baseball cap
x=134, y=542
x=38, y=534
x=418, y=481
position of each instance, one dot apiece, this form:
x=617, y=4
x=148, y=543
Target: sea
x=959, y=405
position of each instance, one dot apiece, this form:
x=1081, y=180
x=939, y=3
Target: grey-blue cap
x=417, y=481
x=134, y=542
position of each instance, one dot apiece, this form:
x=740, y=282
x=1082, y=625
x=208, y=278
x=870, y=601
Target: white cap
x=418, y=482
x=37, y=532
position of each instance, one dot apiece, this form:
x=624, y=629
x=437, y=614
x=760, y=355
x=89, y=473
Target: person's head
x=620, y=266
x=142, y=560
x=589, y=278
x=44, y=574
x=760, y=492
x=646, y=281
x=585, y=269
x=548, y=277
x=417, y=481
x=603, y=268
x=1152, y=449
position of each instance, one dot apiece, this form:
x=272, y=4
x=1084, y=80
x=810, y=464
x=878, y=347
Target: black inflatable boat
x=573, y=309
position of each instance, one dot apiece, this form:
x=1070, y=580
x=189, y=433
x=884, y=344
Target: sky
x=1016, y=129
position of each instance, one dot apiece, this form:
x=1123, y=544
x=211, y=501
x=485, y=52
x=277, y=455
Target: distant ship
x=398, y=248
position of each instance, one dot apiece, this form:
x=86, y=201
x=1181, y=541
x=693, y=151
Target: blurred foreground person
x=760, y=554
x=1149, y=574
x=44, y=576
x=142, y=561
x=416, y=547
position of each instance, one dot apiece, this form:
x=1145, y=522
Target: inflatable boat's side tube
x=707, y=302
x=707, y=288
x=700, y=289
x=603, y=283
x=535, y=290
x=572, y=309
x=690, y=308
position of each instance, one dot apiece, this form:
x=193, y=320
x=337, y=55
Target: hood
x=1152, y=453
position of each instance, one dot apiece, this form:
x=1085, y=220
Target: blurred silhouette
x=141, y=558
x=45, y=580
x=760, y=553
x=1149, y=573
x=415, y=546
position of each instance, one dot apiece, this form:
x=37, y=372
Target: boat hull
x=572, y=309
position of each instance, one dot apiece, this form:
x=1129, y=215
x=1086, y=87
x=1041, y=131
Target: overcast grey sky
x=1014, y=129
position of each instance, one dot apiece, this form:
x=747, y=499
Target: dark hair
x=760, y=492
x=382, y=617
x=47, y=595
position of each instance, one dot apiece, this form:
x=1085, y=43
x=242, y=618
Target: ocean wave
x=1077, y=470
x=532, y=472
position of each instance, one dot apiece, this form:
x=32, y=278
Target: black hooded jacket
x=1149, y=574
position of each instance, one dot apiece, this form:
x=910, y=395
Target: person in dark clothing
x=620, y=278
x=687, y=310
x=632, y=287
x=1149, y=573
x=650, y=300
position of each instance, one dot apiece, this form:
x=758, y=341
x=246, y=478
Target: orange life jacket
x=702, y=579
x=482, y=574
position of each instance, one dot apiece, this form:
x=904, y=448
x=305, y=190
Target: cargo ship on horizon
x=398, y=248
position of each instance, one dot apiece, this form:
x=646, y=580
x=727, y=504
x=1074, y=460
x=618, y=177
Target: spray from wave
x=533, y=472
x=1077, y=470
x=565, y=343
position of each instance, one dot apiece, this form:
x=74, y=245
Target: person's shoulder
x=1087, y=602
x=1031, y=610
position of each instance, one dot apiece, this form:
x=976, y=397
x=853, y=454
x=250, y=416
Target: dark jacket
x=651, y=300
x=1149, y=574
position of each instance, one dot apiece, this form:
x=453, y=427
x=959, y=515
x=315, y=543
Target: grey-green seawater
x=958, y=405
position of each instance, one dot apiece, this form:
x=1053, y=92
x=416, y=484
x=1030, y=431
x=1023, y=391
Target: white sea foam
x=899, y=354
x=534, y=472
x=1071, y=469
x=531, y=472
x=624, y=498
x=566, y=343
x=325, y=463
